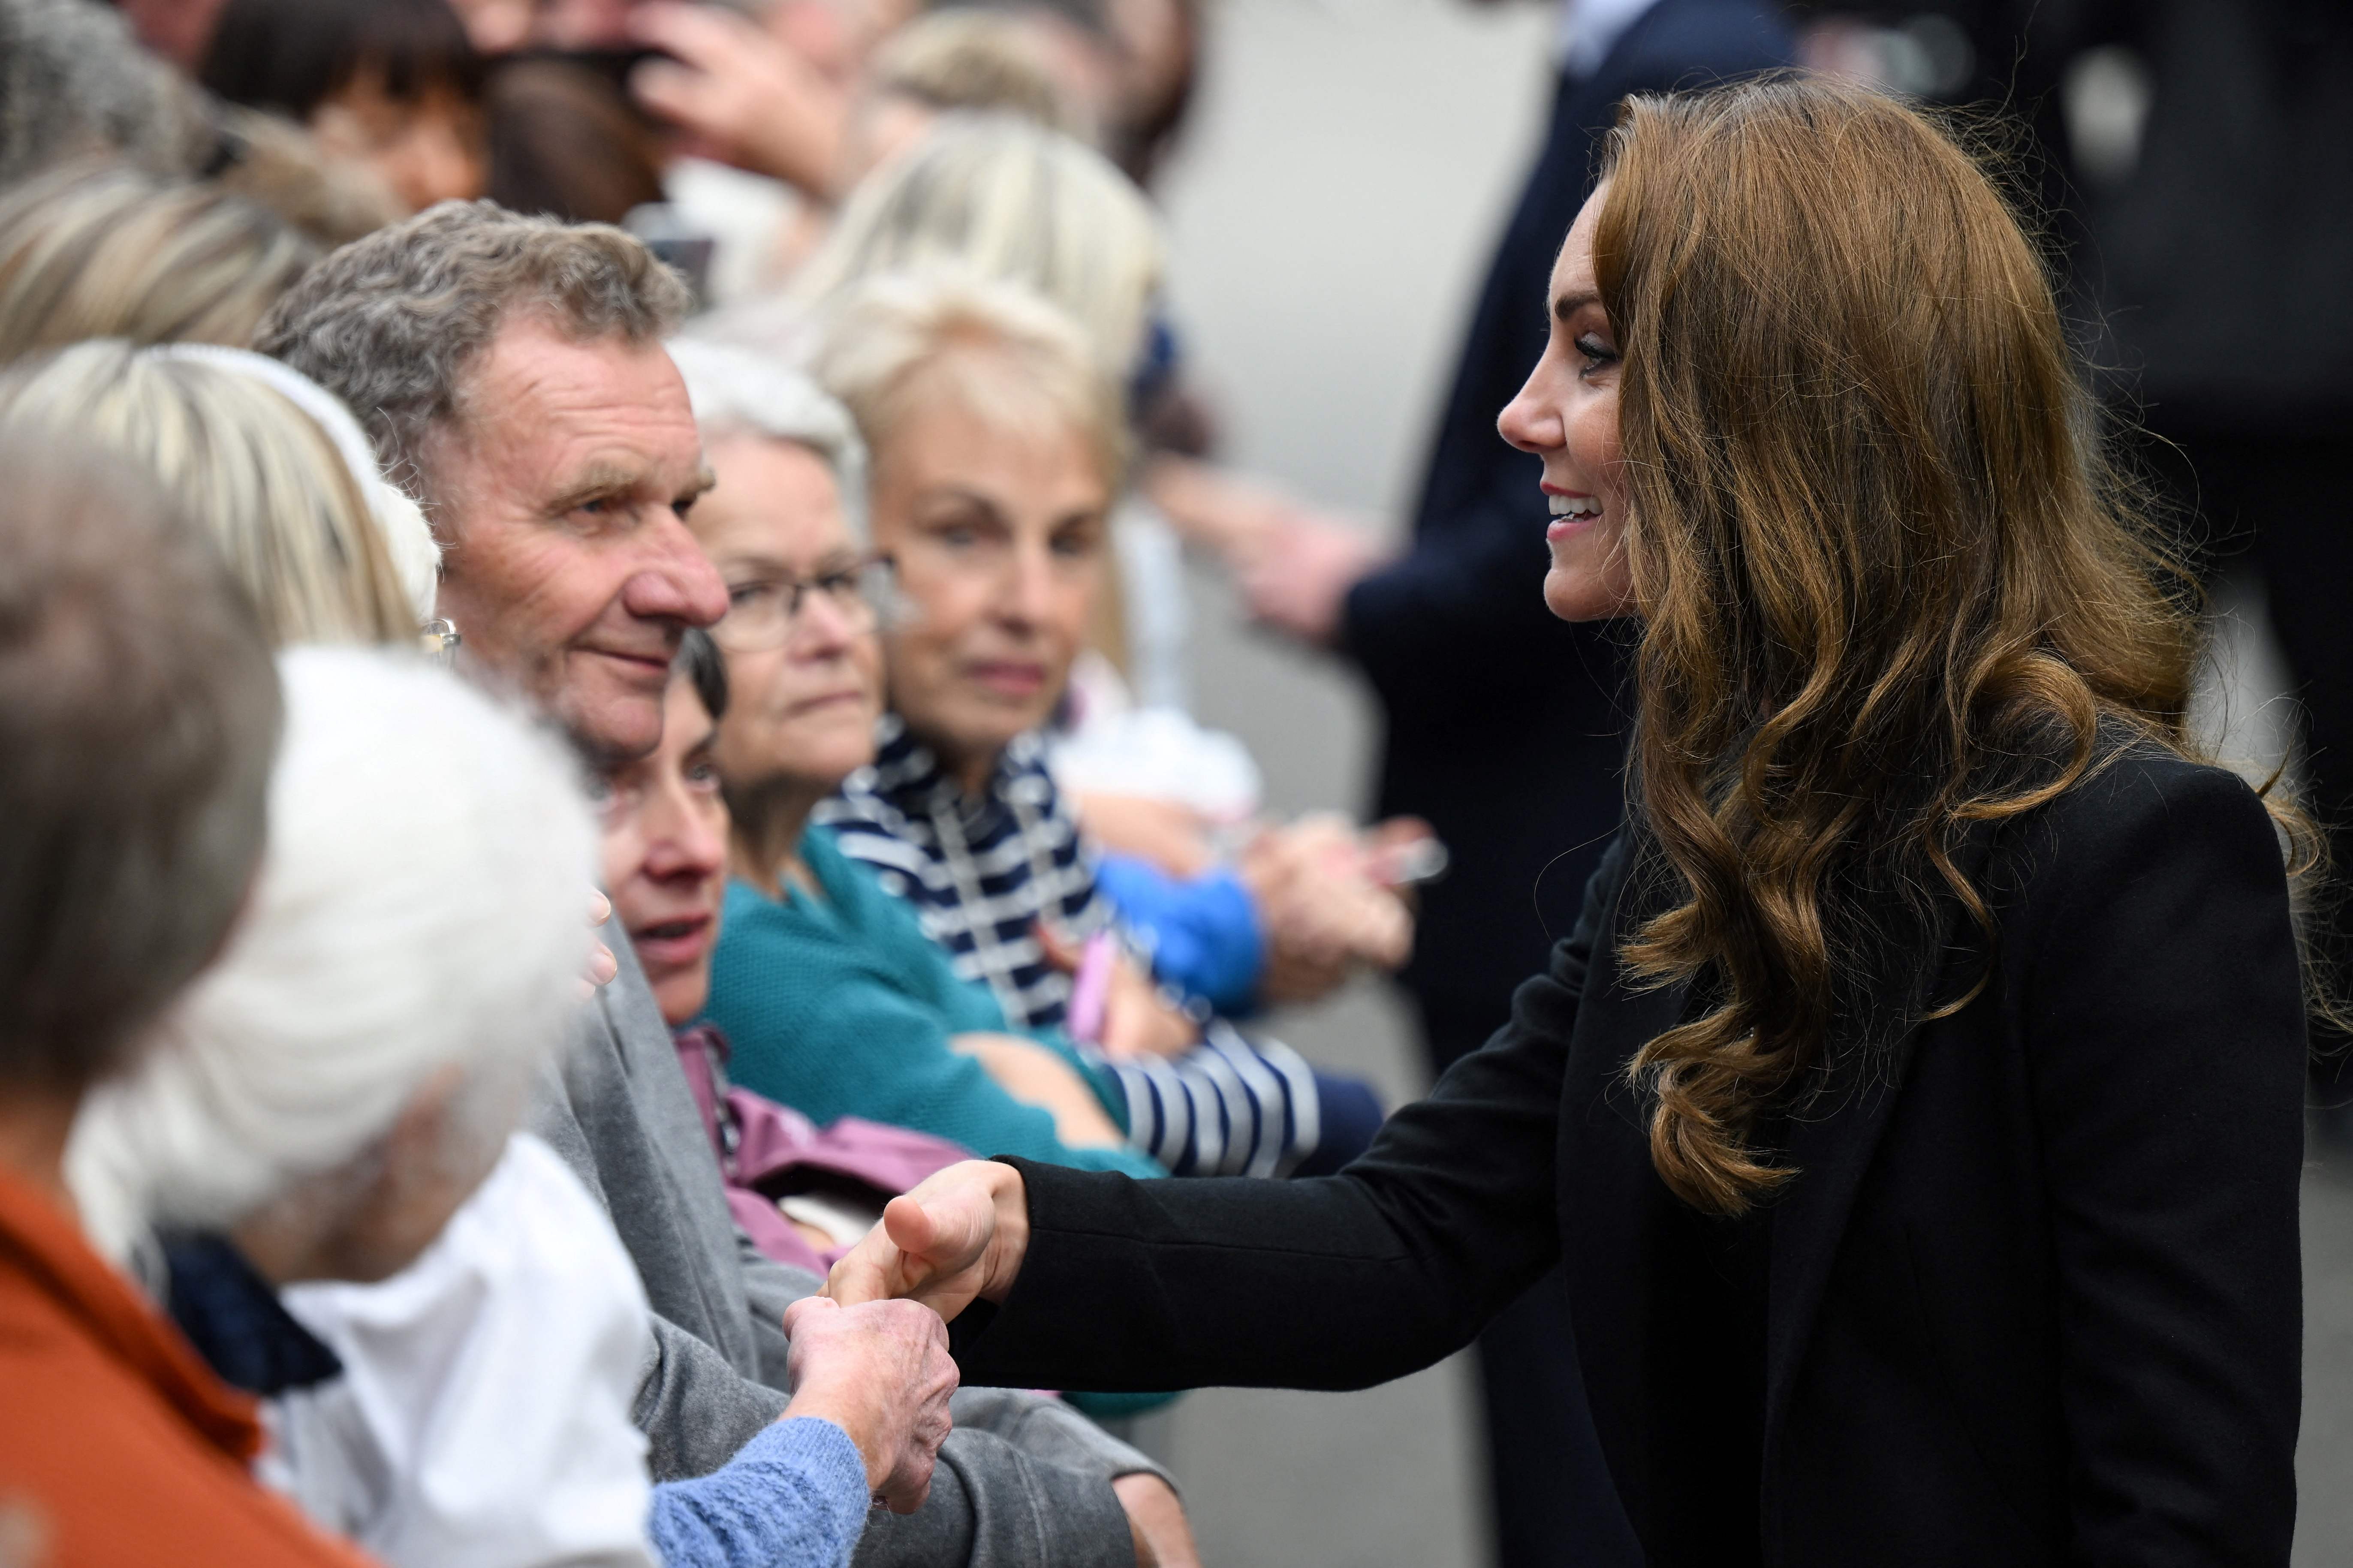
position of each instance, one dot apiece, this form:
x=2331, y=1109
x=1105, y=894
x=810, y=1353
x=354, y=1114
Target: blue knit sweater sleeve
x=1203, y=930
x=793, y=1496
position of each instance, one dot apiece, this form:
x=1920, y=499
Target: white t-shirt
x=482, y=1419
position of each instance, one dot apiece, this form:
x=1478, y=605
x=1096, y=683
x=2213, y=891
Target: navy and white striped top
x=982, y=870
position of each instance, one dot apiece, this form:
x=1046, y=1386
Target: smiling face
x=999, y=535
x=1567, y=416
x=665, y=855
x=802, y=704
x=571, y=574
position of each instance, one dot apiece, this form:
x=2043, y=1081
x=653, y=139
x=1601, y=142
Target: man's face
x=571, y=576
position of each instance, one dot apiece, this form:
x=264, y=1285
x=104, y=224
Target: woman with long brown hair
x=1918, y=1103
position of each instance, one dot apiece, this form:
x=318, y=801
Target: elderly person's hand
x=880, y=1371
x=741, y=96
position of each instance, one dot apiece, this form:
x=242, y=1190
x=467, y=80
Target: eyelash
x=1595, y=353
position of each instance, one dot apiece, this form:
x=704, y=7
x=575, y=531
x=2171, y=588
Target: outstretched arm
x=1091, y=1281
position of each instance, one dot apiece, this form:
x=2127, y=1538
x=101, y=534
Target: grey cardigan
x=1022, y=1481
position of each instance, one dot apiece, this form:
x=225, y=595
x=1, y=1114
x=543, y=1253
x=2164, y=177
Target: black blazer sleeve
x=1337, y=1282
x=2161, y=1011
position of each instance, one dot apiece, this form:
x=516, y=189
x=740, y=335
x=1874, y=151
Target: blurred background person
x=1290, y=917
x=833, y=999
x=268, y=464
x=74, y=83
x=997, y=443
x=140, y=709
x=394, y=86
x=109, y=251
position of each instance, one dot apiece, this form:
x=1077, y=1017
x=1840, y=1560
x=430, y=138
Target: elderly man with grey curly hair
x=510, y=371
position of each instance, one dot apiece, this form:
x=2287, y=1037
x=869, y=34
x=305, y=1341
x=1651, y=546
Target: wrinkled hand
x=881, y=1372
x=959, y=1234
x=740, y=96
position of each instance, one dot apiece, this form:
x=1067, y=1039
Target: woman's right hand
x=960, y=1234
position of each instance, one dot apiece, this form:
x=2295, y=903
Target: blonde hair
x=114, y=252
x=265, y=479
x=1003, y=198
x=976, y=59
x=897, y=342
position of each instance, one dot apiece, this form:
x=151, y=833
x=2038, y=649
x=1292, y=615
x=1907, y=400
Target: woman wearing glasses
x=832, y=998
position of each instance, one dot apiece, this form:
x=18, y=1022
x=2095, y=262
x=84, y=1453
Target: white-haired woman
x=347, y=1076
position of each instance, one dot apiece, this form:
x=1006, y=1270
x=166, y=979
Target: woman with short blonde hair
x=999, y=198
x=274, y=468
x=112, y=252
x=999, y=351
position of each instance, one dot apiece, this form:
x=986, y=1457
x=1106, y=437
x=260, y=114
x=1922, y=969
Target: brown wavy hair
x=1893, y=587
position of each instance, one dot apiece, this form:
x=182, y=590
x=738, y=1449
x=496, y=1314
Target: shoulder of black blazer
x=2148, y=836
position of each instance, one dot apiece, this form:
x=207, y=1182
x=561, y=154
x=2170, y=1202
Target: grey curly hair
x=74, y=83
x=391, y=323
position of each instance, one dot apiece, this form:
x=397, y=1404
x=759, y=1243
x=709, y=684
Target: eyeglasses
x=763, y=611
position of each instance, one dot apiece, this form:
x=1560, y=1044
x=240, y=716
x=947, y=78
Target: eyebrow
x=1568, y=305
x=963, y=495
x=604, y=479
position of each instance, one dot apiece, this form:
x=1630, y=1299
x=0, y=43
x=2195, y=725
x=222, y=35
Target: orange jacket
x=118, y=1446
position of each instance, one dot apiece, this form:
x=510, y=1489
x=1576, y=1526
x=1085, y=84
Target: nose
x=1025, y=590
x=823, y=628
x=681, y=842
x=676, y=580
x=1531, y=420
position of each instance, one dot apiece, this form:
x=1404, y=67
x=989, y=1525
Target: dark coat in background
x=2033, y=1296
x=1507, y=726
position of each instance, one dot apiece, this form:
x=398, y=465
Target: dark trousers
x=2281, y=504
x=1551, y=1503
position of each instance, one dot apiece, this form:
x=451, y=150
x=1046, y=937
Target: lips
x=848, y=694
x=1007, y=677
x=673, y=943
x=649, y=668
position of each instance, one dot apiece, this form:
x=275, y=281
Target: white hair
x=422, y=903
x=737, y=391
x=416, y=553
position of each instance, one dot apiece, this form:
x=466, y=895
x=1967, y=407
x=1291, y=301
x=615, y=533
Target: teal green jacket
x=842, y=1006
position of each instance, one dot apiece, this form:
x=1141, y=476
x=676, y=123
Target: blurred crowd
x=594, y=666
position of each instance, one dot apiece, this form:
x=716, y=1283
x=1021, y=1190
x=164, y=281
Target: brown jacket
x=118, y=1446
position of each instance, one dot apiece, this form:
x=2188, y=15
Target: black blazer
x=1505, y=726
x=2034, y=1295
